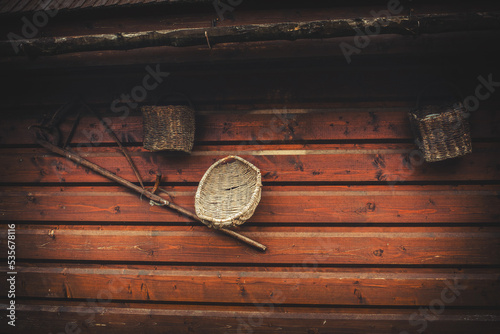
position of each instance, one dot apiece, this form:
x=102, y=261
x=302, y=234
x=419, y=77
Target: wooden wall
x=362, y=235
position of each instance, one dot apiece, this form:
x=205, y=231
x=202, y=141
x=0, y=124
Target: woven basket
x=441, y=132
x=228, y=193
x=168, y=128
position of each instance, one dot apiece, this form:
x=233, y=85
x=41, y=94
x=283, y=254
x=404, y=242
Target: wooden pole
x=401, y=25
x=157, y=199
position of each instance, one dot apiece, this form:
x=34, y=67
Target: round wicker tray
x=229, y=192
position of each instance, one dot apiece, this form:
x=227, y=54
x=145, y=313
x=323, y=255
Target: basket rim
x=170, y=106
x=455, y=108
x=246, y=208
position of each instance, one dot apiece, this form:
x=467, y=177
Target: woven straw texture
x=168, y=128
x=228, y=193
x=441, y=134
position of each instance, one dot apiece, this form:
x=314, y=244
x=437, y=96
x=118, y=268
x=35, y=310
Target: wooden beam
x=279, y=204
x=459, y=245
x=402, y=25
x=383, y=163
x=255, y=127
x=428, y=45
x=248, y=285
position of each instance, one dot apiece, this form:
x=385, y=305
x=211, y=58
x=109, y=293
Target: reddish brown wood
x=317, y=286
x=155, y=199
x=281, y=125
x=287, y=204
x=98, y=316
x=182, y=276
x=300, y=246
x=112, y=134
x=385, y=163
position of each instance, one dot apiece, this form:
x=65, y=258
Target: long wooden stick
x=320, y=29
x=159, y=200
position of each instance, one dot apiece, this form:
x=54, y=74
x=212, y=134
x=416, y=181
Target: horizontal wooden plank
x=98, y=316
x=279, y=204
x=282, y=125
x=285, y=125
x=385, y=163
x=301, y=246
x=303, y=286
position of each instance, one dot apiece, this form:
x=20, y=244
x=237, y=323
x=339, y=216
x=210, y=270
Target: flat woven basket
x=228, y=193
x=441, y=133
x=168, y=128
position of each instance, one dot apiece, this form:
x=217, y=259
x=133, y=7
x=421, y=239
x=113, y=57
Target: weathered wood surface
x=154, y=198
x=384, y=163
x=258, y=126
x=248, y=285
x=279, y=204
x=101, y=316
x=191, y=16
x=299, y=246
x=142, y=18
x=448, y=44
x=351, y=248
x=317, y=29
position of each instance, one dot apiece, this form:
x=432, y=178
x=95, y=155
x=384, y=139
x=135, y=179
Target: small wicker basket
x=168, y=128
x=441, y=132
x=228, y=193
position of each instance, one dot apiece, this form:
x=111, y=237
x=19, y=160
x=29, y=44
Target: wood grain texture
x=279, y=204
x=351, y=248
x=258, y=126
x=198, y=12
x=385, y=163
x=303, y=286
x=300, y=29
x=100, y=316
x=297, y=246
x=441, y=45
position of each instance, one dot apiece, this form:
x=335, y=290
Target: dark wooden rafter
x=402, y=25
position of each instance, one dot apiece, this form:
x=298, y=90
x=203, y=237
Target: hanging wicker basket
x=168, y=128
x=441, y=132
x=228, y=193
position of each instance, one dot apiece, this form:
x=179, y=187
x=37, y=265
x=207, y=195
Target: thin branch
x=72, y=131
x=123, y=149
